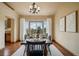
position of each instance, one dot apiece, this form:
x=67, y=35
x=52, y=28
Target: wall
x=22, y=20
x=2, y=31
x=16, y=29
x=35, y=17
x=52, y=26
x=7, y=12
x=49, y=27
x=68, y=40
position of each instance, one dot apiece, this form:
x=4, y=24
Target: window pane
x=36, y=29
x=45, y=27
x=39, y=24
x=33, y=25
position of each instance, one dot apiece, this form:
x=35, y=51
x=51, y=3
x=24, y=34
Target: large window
x=36, y=29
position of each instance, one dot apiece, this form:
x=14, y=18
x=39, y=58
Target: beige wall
x=2, y=31
x=34, y=17
x=68, y=40
x=52, y=27
x=7, y=12
x=22, y=20
x=16, y=29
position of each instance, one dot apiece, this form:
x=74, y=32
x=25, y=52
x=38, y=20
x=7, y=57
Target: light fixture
x=34, y=9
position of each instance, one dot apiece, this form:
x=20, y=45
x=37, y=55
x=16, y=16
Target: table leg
x=45, y=51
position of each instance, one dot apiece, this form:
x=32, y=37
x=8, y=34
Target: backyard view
x=36, y=29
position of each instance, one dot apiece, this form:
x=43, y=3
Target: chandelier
x=34, y=9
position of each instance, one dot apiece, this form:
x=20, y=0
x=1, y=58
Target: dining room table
x=47, y=43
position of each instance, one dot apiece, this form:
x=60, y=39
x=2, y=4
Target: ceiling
x=22, y=8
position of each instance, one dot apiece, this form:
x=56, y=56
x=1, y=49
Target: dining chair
x=36, y=48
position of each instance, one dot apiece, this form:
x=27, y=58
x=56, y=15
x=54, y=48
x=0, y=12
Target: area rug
x=52, y=51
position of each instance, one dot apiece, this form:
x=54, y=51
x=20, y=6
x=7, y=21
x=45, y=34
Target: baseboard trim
x=18, y=40
x=1, y=49
x=64, y=48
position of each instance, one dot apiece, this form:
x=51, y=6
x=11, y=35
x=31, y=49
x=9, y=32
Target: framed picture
x=62, y=24
x=7, y=23
x=71, y=21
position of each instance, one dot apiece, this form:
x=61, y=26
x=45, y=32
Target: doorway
x=9, y=25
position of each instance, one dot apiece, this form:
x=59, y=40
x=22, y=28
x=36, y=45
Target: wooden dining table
x=47, y=43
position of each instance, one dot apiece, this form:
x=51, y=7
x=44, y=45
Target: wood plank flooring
x=12, y=47
x=9, y=49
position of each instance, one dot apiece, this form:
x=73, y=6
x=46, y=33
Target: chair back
x=37, y=47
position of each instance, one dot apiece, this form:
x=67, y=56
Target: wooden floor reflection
x=12, y=47
x=9, y=49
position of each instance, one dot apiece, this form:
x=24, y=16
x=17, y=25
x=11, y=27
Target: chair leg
x=24, y=54
x=45, y=54
x=49, y=49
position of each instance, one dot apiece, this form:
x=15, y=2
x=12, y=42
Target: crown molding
x=9, y=6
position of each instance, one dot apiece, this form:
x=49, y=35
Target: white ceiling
x=46, y=8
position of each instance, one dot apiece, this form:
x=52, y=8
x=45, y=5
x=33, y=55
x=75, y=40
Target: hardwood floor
x=9, y=49
x=12, y=47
